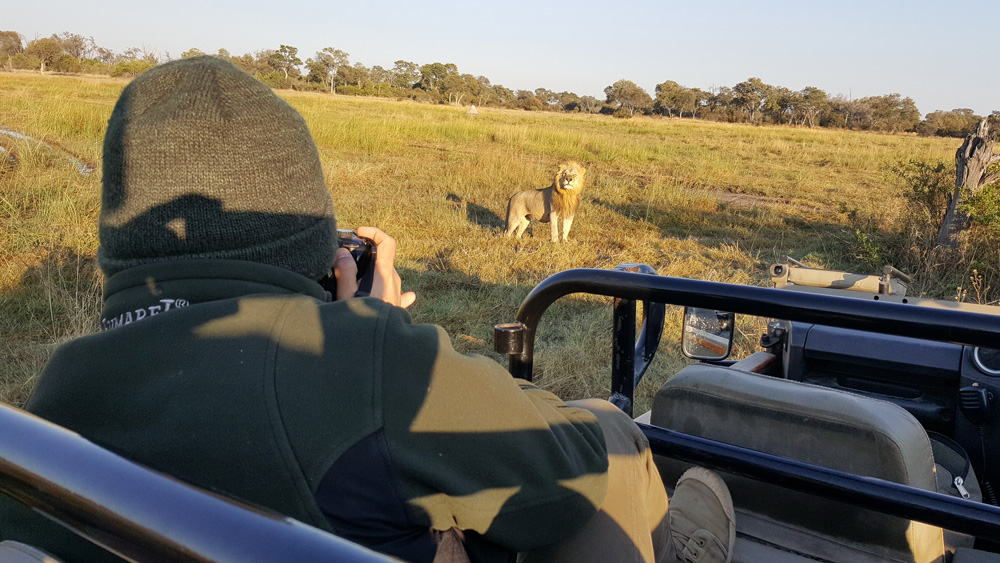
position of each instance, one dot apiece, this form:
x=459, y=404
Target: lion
x=548, y=205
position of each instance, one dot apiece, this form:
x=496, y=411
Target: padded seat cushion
x=817, y=425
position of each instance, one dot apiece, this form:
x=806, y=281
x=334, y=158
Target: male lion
x=548, y=205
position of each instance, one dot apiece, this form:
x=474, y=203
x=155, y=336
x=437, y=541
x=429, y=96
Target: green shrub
x=350, y=90
x=25, y=62
x=130, y=69
x=926, y=188
x=984, y=208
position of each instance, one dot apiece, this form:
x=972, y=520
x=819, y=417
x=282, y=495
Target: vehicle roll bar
x=143, y=515
x=516, y=340
x=936, y=509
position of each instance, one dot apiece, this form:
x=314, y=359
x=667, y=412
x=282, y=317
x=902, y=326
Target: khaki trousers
x=632, y=524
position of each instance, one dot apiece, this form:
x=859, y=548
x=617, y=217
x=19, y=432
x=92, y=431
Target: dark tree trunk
x=972, y=163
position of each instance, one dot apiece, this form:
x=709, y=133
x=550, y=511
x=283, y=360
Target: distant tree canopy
x=627, y=98
x=11, y=43
x=749, y=101
x=955, y=123
x=324, y=66
x=69, y=52
x=286, y=59
x=674, y=99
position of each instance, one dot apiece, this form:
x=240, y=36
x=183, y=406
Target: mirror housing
x=708, y=334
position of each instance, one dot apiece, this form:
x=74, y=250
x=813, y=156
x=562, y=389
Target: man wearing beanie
x=221, y=361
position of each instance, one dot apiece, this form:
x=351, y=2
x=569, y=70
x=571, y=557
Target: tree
x=405, y=74
x=192, y=52
x=46, y=50
x=814, y=104
x=380, y=75
x=668, y=96
x=479, y=89
x=590, y=104
x=672, y=98
x=527, y=100
x=432, y=74
x=569, y=101
x=77, y=45
x=11, y=43
x=688, y=101
x=105, y=55
x=974, y=168
x=144, y=54
x=286, y=59
x=852, y=114
x=548, y=98
x=258, y=63
x=627, y=97
x=719, y=105
x=753, y=96
x=356, y=75
x=784, y=105
x=892, y=112
x=955, y=123
x=503, y=95
x=324, y=66
x=457, y=87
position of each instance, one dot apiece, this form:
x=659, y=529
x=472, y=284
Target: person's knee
x=621, y=435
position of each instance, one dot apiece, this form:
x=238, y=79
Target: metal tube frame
x=142, y=515
x=630, y=358
x=947, y=325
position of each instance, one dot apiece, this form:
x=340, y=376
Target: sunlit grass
x=659, y=191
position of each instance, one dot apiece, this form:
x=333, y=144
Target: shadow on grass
x=469, y=307
x=759, y=227
x=476, y=213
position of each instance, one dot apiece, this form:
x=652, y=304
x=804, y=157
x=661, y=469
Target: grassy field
x=692, y=199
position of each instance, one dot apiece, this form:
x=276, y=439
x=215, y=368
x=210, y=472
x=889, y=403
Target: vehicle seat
x=16, y=552
x=817, y=425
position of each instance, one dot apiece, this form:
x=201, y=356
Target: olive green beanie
x=201, y=160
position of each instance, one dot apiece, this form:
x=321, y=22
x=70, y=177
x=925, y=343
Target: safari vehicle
x=865, y=430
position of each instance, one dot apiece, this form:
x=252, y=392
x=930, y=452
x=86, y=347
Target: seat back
x=817, y=425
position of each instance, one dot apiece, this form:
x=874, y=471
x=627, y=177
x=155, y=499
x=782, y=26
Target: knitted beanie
x=201, y=160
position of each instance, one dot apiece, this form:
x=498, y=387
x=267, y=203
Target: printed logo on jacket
x=129, y=317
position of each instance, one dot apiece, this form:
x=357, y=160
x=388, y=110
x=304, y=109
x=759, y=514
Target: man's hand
x=386, y=285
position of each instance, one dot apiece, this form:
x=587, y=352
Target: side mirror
x=708, y=334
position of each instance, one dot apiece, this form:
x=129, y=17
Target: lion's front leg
x=554, y=224
x=567, y=223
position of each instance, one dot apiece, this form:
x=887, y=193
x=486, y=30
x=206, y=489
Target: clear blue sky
x=849, y=47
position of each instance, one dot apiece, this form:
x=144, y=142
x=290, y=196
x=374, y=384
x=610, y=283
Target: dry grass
x=692, y=199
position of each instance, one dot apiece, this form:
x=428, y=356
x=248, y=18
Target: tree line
x=750, y=101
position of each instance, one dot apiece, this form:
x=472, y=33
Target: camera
x=363, y=251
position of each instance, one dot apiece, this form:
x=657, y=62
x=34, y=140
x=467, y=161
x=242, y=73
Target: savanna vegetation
x=692, y=198
x=330, y=70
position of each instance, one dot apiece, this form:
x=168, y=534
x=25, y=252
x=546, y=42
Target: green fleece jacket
x=246, y=379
